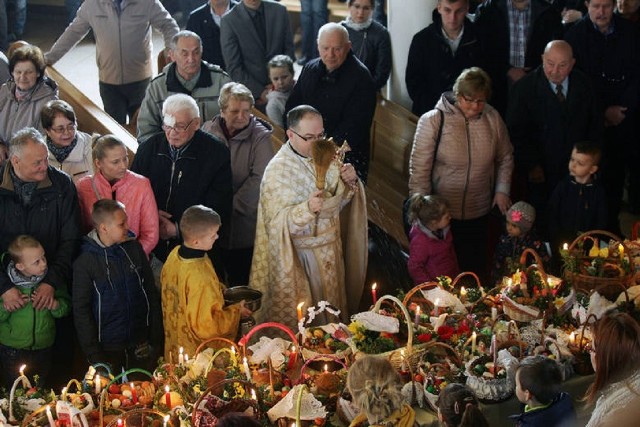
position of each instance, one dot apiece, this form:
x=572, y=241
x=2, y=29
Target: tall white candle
x=52, y=423
x=181, y=356
x=247, y=371
x=98, y=384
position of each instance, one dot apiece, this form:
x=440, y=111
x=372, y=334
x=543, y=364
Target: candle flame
x=22, y=368
x=565, y=247
x=253, y=394
x=463, y=291
x=186, y=358
x=293, y=349
x=473, y=335
x=119, y=421
x=374, y=286
x=181, y=350
x=300, y=305
x=166, y=418
x=418, y=310
x=166, y=389
x=326, y=367
x=233, y=350
x=132, y=386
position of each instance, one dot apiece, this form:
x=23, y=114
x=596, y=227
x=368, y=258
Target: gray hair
x=234, y=90
x=23, y=137
x=186, y=34
x=333, y=27
x=180, y=102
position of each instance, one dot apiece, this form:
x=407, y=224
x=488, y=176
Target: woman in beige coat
x=461, y=151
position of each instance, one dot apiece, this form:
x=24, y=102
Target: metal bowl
x=252, y=297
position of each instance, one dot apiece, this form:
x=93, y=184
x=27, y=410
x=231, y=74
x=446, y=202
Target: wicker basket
x=211, y=406
x=425, y=305
x=222, y=346
x=142, y=418
x=407, y=355
x=442, y=368
x=305, y=323
x=609, y=287
x=582, y=359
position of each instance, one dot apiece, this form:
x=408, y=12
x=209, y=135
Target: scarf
x=403, y=417
x=61, y=153
x=23, y=189
x=22, y=281
x=358, y=27
x=22, y=94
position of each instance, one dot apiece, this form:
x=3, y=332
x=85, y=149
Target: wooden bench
x=391, y=138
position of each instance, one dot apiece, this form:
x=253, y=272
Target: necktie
x=560, y=94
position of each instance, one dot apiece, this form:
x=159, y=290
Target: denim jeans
x=314, y=15
x=17, y=17
x=121, y=101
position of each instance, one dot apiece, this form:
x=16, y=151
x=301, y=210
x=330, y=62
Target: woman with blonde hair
x=615, y=356
x=375, y=387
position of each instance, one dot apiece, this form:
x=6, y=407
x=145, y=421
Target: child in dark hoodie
x=116, y=305
x=538, y=380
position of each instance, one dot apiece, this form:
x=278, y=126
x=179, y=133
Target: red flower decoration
x=445, y=332
x=463, y=329
x=516, y=216
x=424, y=337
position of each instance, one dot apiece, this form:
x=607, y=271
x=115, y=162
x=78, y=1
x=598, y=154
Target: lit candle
x=247, y=371
x=494, y=313
x=572, y=338
x=473, y=342
x=23, y=377
x=292, y=358
x=463, y=293
x=326, y=368
x=565, y=247
x=253, y=394
x=186, y=358
x=374, y=292
x=621, y=250
x=494, y=348
x=120, y=422
x=299, y=309
x=64, y=393
x=435, y=308
x=166, y=420
x=98, y=384
x=50, y=417
x=134, y=394
x=417, y=318
x=167, y=396
x=180, y=356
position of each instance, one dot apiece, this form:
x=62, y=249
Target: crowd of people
x=521, y=102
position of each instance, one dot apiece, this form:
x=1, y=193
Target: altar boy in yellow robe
x=192, y=302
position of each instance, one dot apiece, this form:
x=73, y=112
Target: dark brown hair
x=617, y=351
x=459, y=407
x=29, y=53
x=540, y=376
x=426, y=208
x=590, y=149
x=52, y=109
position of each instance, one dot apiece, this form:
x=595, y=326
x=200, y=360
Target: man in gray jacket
x=122, y=31
x=188, y=74
x=251, y=34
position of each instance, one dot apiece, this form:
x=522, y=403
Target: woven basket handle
x=299, y=403
x=405, y=312
x=464, y=274
x=315, y=358
x=590, y=234
x=586, y=322
x=204, y=344
x=245, y=339
x=130, y=371
x=416, y=289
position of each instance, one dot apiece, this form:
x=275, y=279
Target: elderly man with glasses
x=186, y=167
x=299, y=254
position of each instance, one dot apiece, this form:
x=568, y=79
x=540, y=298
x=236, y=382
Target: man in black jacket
x=205, y=22
x=551, y=109
x=439, y=53
x=339, y=86
x=607, y=48
x=41, y=201
x=514, y=34
x=186, y=167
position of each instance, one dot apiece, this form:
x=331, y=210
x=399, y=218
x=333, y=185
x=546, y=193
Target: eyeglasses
x=474, y=101
x=62, y=129
x=177, y=128
x=310, y=137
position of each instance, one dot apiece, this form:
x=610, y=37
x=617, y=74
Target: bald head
x=333, y=45
x=557, y=61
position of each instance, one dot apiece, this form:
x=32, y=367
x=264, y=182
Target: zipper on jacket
x=95, y=286
x=466, y=180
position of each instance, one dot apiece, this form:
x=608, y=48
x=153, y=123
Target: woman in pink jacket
x=113, y=180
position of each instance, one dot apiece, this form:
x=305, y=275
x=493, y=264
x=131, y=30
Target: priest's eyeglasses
x=308, y=138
